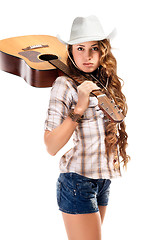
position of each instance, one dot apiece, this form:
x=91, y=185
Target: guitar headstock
x=108, y=106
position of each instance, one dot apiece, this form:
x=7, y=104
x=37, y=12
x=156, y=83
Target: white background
x=28, y=174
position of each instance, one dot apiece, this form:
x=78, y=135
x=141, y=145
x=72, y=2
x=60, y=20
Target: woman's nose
x=88, y=55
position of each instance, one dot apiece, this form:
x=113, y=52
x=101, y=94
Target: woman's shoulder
x=64, y=81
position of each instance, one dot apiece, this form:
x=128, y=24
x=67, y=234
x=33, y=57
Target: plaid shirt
x=88, y=156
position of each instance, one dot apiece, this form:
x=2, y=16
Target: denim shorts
x=77, y=194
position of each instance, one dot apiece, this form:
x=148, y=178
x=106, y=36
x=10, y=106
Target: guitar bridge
x=35, y=47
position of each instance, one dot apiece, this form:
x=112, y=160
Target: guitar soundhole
x=47, y=57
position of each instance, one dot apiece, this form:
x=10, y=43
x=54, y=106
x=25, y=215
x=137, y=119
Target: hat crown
x=85, y=30
x=86, y=27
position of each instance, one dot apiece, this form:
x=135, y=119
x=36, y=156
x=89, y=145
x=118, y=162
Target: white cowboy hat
x=85, y=30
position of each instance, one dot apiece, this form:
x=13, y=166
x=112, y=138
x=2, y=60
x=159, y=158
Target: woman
x=86, y=170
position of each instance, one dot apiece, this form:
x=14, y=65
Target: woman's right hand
x=84, y=91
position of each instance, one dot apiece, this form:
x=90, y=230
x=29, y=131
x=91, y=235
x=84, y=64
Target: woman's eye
x=95, y=49
x=80, y=49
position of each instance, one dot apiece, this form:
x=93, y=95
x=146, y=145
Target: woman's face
x=87, y=56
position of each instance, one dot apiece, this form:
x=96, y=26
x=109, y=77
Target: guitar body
x=23, y=56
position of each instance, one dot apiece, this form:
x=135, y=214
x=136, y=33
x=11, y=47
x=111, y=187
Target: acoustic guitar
x=39, y=60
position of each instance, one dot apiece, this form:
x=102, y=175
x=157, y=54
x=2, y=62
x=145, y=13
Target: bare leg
x=83, y=226
x=102, y=211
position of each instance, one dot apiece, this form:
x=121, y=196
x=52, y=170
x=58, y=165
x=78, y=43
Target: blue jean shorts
x=77, y=194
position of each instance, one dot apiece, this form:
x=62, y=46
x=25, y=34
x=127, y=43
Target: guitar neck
x=64, y=68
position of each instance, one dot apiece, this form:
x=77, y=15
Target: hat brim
x=81, y=40
x=88, y=39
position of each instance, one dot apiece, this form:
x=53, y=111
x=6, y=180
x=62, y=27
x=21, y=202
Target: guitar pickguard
x=32, y=56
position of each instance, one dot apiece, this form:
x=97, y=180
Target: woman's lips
x=88, y=64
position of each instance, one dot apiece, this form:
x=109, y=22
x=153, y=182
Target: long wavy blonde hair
x=115, y=133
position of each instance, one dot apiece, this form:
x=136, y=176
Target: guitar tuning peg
x=106, y=120
x=120, y=111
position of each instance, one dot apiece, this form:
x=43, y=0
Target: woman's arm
x=59, y=136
